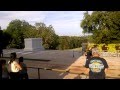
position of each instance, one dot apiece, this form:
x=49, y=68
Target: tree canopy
x=104, y=25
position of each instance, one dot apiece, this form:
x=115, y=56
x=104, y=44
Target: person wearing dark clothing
x=1, y=55
x=23, y=72
x=88, y=54
x=97, y=67
x=1, y=52
x=5, y=73
x=0, y=69
x=105, y=48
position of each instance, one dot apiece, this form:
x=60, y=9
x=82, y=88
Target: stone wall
x=32, y=44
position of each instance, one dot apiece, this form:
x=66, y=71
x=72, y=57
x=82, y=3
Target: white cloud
x=30, y=16
x=67, y=23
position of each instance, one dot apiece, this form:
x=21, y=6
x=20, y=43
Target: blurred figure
x=105, y=48
x=23, y=72
x=88, y=54
x=5, y=73
x=1, y=51
x=0, y=70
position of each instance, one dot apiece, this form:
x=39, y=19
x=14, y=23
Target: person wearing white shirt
x=14, y=67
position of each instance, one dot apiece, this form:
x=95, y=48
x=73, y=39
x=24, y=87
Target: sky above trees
x=64, y=22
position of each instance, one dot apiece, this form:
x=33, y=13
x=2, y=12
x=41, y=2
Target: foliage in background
x=103, y=25
x=70, y=42
x=18, y=30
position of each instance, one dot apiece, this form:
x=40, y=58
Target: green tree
x=64, y=42
x=70, y=42
x=104, y=25
x=17, y=29
x=50, y=39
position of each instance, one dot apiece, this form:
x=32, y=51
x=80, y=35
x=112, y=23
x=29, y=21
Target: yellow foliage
x=111, y=47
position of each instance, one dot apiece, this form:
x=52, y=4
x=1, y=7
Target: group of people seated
x=13, y=69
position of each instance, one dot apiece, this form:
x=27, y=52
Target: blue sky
x=64, y=22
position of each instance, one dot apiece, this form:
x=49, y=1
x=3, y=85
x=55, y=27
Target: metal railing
x=68, y=71
x=57, y=70
x=62, y=71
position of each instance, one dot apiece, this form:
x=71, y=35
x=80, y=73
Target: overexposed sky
x=64, y=22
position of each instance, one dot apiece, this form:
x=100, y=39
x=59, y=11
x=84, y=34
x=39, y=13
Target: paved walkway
x=77, y=67
x=113, y=71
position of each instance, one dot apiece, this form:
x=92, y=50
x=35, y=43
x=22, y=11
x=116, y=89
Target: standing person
x=5, y=73
x=14, y=67
x=96, y=67
x=0, y=51
x=23, y=72
x=84, y=47
x=88, y=54
x=0, y=69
